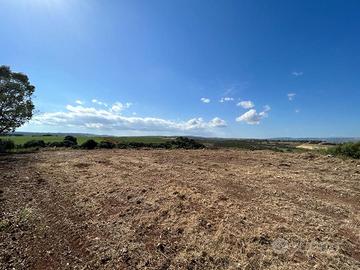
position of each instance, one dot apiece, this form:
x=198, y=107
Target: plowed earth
x=178, y=209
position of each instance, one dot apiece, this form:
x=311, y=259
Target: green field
x=19, y=140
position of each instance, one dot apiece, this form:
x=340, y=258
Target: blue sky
x=242, y=68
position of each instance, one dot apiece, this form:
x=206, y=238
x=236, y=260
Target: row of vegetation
x=71, y=142
x=346, y=150
x=254, y=144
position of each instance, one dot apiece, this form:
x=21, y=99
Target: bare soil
x=178, y=209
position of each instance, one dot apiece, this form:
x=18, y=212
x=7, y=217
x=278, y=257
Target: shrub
x=6, y=145
x=106, y=144
x=68, y=143
x=137, y=144
x=56, y=144
x=186, y=143
x=71, y=139
x=122, y=146
x=34, y=143
x=346, y=149
x=166, y=145
x=89, y=144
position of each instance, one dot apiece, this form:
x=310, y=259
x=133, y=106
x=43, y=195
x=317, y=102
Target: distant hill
x=330, y=139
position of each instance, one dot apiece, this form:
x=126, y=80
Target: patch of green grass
x=4, y=224
x=25, y=214
x=19, y=140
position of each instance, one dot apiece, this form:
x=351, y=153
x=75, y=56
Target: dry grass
x=196, y=209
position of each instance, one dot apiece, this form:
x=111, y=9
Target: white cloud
x=246, y=104
x=226, y=99
x=217, y=122
x=252, y=117
x=110, y=119
x=99, y=102
x=94, y=125
x=267, y=108
x=291, y=96
x=205, y=100
x=297, y=73
x=118, y=106
x=79, y=102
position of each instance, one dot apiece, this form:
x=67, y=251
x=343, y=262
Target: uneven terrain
x=178, y=209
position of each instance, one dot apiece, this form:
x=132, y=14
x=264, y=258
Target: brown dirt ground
x=178, y=209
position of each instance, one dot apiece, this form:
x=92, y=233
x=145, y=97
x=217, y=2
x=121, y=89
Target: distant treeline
x=71, y=142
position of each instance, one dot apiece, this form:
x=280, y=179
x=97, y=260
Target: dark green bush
x=34, y=143
x=68, y=143
x=137, y=144
x=180, y=142
x=71, y=139
x=166, y=145
x=122, y=146
x=89, y=144
x=186, y=143
x=107, y=145
x=346, y=149
x=6, y=145
x=56, y=144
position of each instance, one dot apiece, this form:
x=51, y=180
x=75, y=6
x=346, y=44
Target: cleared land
x=178, y=209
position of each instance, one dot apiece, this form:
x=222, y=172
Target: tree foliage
x=34, y=143
x=6, y=145
x=16, y=106
x=89, y=144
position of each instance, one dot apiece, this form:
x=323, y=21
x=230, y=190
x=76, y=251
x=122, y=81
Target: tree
x=16, y=107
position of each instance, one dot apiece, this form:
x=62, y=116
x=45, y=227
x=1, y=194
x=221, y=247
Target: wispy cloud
x=79, y=102
x=99, y=102
x=291, y=96
x=297, y=110
x=252, y=117
x=80, y=117
x=226, y=99
x=205, y=100
x=118, y=106
x=297, y=73
x=246, y=104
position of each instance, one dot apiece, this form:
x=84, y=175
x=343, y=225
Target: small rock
x=160, y=247
x=105, y=259
x=263, y=239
